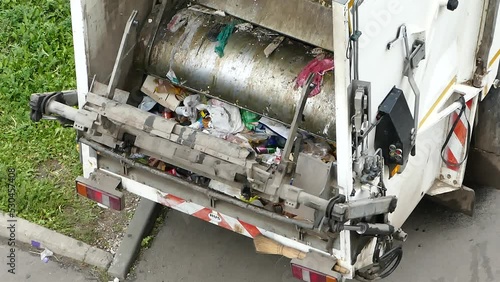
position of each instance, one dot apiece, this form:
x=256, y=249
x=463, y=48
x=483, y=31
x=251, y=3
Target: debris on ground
x=112, y=224
x=45, y=255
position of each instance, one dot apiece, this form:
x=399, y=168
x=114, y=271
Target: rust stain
x=238, y=229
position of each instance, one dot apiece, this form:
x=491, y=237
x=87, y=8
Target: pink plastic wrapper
x=318, y=66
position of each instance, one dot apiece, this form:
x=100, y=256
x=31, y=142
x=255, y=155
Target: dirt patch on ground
x=49, y=168
x=111, y=224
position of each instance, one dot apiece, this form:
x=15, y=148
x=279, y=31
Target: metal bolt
x=455, y=182
x=452, y=5
x=448, y=176
x=496, y=83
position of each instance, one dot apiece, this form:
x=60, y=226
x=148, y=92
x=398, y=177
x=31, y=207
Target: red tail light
x=310, y=275
x=109, y=200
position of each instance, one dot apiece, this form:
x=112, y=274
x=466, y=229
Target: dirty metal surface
x=243, y=76
x=307, y=20
x=104, y=25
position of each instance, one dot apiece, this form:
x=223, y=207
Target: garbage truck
x=313, y=127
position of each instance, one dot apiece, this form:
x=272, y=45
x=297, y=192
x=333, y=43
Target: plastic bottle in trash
x=265, y=150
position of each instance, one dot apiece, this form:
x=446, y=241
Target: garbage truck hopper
x=311, y=126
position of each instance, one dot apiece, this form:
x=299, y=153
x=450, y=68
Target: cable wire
x=450, y=134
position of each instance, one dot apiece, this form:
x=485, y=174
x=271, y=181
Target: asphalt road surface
x=443, y=246
x=29, y=267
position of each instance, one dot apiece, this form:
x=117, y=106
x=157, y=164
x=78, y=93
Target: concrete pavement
x=443, y=246
x=29, y=267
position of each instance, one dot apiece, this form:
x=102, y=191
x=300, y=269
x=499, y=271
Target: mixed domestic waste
x=262, y=136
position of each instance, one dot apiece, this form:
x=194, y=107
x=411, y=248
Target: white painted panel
x=449, y=54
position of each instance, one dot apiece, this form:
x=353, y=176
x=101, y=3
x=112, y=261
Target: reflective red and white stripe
x=209, y=215
x=458, y=142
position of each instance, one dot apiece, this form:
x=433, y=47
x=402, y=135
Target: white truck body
x=446, y=71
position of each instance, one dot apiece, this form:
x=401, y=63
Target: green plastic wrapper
x=249, y=119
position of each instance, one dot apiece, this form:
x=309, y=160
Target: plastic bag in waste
x=147, y=104
x=224, y=118
x=189, y=109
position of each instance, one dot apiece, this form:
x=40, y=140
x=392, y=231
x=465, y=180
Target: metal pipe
x=62, y=110
x=210, y=193
x=312, y=201
x=355, y=42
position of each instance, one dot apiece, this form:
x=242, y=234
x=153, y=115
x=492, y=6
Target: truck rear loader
x=314, y=127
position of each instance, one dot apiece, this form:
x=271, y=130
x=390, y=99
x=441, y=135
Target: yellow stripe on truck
x=493, y=60
x=441, y=96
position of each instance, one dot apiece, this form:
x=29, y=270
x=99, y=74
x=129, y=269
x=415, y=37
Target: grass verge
x=36, y=55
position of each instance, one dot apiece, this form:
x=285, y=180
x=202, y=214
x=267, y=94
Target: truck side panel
x=445, y=60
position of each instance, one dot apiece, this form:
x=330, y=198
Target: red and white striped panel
x=209, y=215
x=454, y=153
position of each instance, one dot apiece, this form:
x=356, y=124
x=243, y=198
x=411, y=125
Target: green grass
x=36, y=55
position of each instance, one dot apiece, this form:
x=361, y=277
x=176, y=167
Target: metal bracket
x=156, y=23
x=125, y=167
x=213, y=202
x=286, y=166
x=122, y=53
x=399, y=36
x=342, y=212
x=360, y=93
x=301, y=234
x=412, y=59
x=297, y=118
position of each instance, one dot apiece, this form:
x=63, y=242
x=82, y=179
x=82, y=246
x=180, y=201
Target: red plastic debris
x=178, y=21
x=172, y=172
x=318, y=66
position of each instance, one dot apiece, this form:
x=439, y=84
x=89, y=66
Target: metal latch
x=417, y=53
